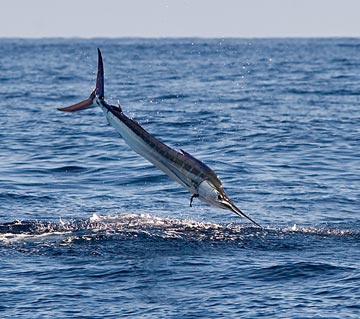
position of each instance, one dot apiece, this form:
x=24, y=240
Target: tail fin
x=97, y=93
x=99, y=89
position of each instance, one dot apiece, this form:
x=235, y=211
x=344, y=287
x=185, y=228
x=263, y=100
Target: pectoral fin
x=192, y=198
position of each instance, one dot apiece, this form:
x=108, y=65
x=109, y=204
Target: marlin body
x=195, y=176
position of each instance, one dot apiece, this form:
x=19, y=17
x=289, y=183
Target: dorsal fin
x=196, y=160
x=211, y=175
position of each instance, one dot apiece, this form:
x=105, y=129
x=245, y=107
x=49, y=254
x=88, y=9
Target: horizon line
x=178, y=37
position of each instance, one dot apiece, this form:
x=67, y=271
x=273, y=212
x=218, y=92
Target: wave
x=296, y=270
x=68, y=169
x=23, y=196
x=129, y=226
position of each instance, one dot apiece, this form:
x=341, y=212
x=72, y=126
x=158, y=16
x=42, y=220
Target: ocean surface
x=89, y=229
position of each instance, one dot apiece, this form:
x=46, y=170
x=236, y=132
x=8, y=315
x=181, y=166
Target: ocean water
x=89, y=229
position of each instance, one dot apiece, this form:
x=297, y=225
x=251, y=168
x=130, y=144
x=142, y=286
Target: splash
x=322, y=231
x=127, y=226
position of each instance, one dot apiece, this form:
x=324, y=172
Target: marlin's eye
x=219, y=197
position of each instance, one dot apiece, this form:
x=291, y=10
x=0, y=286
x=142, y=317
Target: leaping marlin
x=194, y=175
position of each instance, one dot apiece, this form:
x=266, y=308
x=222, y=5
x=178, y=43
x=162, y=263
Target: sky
x=179, y=18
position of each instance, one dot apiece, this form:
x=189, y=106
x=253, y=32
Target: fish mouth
x=228, y=204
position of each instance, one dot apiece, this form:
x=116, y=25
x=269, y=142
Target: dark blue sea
x=89, y=229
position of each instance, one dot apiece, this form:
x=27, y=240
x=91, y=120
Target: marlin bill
x=201, y=181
